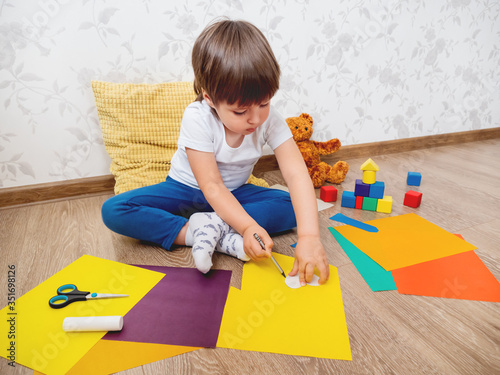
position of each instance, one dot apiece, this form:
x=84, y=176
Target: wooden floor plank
x=389, y=332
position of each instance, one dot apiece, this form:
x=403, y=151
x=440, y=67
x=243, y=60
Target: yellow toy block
x=385, y=204
x=369, y=165
x=369, y=177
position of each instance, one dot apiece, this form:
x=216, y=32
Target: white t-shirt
x=201, y=130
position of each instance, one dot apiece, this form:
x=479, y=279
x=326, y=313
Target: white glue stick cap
x=93, y=323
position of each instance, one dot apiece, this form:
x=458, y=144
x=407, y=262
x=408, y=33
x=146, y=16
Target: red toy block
x=359, y=202
x=328, y=194
x=412, y=199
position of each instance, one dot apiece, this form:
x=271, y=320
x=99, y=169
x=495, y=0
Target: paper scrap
x=322, y=205
x=294, y=281
x=341, y=218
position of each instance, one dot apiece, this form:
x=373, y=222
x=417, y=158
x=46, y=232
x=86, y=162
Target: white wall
x=365, y=70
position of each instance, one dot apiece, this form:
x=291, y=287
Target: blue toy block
x=414, y=179
x=377, y=190
x=348, y=199
x=362, y=189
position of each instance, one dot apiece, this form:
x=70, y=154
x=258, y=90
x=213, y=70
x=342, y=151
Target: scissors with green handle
x=69, y=293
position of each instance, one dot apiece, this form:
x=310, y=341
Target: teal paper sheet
x=376, y=277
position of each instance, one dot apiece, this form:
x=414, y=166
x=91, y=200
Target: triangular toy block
x=377, y=190
x=413, y=199
x=348, y=199
x=385, y=204
x=369, y=165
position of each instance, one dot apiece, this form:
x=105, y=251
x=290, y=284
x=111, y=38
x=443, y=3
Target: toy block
x=359, y=202
x=361, y=189
x=385, y=204
x=369, y=177
x=413, y=199
x=377, y=190
x=348, y=199
x=328, y=193
x=369, y=165
x=413, y=179
x=370, y=204
x=369, y=169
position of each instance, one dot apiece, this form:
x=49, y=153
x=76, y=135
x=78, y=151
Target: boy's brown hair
x=233, y=62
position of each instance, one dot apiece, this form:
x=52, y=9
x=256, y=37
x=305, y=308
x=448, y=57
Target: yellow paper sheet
x=109, y=356
x=404, y=240
x=268, y=316
x=40, y=342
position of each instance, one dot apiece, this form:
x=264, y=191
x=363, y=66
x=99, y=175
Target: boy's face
x=241, y=120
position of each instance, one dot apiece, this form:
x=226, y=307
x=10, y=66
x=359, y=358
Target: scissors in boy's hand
x=69, y=293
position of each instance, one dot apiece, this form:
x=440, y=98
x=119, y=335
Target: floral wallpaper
x=366, y=71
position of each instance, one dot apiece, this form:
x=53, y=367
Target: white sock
x=232, y=244
x=207, y=229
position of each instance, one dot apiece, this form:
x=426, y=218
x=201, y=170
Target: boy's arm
x=309, y=252
x=224, y=203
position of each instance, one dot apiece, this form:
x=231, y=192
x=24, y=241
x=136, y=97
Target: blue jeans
x=157, y=213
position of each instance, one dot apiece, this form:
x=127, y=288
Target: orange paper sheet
x=268, y=316
x=461, y=276
x=404, y=240
x=40, y=343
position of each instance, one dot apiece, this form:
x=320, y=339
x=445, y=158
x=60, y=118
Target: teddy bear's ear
x=305, y=116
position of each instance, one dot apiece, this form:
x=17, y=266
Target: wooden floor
x=389, y=333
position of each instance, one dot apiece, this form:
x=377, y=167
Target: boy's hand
x=252, y=246
x=310, y=254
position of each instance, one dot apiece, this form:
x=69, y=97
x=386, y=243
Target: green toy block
x=370, y=204
x=385, y=204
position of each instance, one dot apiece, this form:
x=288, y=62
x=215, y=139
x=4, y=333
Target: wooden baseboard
x=56, y=190
x=410, y=144
x=268, y=162
x=104, y=184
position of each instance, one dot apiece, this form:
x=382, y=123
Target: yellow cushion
x=140, y=125
x=257, y=181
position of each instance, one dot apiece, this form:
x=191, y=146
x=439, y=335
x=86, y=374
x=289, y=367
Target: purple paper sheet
x=184, y=308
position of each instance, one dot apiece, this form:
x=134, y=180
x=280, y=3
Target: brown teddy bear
x=302, y=129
